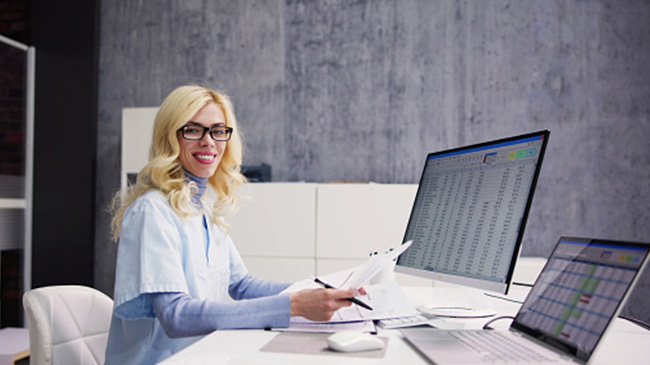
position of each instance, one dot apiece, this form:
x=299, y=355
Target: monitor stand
x=457, y=302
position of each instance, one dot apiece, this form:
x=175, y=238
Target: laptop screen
x=579, y=292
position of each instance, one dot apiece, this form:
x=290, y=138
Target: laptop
x=565, y=315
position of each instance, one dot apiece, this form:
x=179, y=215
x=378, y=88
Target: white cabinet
x=290, y=231
x=137, y=128
x=274, y=229
x=275, y=220
x=283, y=270
x=356, y=219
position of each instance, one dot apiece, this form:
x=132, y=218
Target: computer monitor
x=470, y=211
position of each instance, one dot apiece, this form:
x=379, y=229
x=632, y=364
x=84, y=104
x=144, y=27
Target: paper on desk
x=386, y=299
x=355, y=277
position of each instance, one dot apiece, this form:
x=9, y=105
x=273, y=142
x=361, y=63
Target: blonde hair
x=164, y=171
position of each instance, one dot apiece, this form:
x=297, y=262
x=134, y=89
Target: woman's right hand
x=320, y=304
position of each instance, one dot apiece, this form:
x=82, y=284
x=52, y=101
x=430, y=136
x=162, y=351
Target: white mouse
x=353, y=341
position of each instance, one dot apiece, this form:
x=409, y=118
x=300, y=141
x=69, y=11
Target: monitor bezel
x=464, y=280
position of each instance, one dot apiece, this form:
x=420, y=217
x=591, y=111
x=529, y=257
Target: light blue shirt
x=160, y=252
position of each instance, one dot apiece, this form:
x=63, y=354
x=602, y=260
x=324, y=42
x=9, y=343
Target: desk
x=626, y=343
x=14, y=345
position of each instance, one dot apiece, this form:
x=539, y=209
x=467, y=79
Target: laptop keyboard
x=496, y=347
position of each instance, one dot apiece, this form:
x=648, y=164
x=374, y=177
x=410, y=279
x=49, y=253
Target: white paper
x=335, y=279
x=373, y=266
x=386, y=299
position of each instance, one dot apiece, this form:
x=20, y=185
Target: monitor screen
x=470, y=210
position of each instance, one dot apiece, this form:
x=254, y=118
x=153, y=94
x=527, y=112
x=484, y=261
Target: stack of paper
x=386, y=299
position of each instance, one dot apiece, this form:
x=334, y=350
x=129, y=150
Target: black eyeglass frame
x=207, y=129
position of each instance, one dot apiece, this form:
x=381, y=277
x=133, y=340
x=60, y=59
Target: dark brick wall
x=12, y=110
x=14, y=20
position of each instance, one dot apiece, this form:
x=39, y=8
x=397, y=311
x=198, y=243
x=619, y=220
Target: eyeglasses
x=196, y=132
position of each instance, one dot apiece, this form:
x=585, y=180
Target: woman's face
x=202, y=157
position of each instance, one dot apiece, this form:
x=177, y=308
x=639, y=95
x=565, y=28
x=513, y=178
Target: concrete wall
x=362, y=90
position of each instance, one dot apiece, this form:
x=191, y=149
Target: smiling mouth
x=204, y=157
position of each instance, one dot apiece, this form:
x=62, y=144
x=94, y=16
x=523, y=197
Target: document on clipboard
x=372, y=267
x=386, y=298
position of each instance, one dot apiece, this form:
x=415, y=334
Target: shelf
x=12, y=203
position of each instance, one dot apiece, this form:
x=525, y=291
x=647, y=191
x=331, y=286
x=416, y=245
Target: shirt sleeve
x=250, y=287
x=149, y=258
x=183, y=316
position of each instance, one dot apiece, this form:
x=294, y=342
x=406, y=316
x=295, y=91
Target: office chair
x=68, y=324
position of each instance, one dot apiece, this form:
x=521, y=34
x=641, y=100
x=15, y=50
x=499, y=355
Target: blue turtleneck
x=201, y=183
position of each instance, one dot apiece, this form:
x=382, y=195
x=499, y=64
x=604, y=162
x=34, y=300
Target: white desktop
x=627, y=343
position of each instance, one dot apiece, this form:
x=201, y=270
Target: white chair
x=68, y=324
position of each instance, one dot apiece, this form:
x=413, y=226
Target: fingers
x=320, y=304
x=334, y=299
x=342, y=293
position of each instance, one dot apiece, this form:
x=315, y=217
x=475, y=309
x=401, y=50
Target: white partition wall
x=274, y=230
x=275, y=220
x=137, y=127
x=290, y=231
x=355, y=219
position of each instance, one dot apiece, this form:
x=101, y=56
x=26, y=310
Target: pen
x=353, y=300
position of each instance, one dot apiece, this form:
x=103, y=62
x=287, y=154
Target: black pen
x=353, y=300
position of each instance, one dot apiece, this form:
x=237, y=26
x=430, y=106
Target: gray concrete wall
x=362, y=90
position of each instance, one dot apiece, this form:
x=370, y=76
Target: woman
x=177, y=269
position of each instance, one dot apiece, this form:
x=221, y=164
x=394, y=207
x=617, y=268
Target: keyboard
x=497, y=348
x=401, y=322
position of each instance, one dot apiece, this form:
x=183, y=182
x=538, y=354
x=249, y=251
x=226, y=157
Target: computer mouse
x=353, y=341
